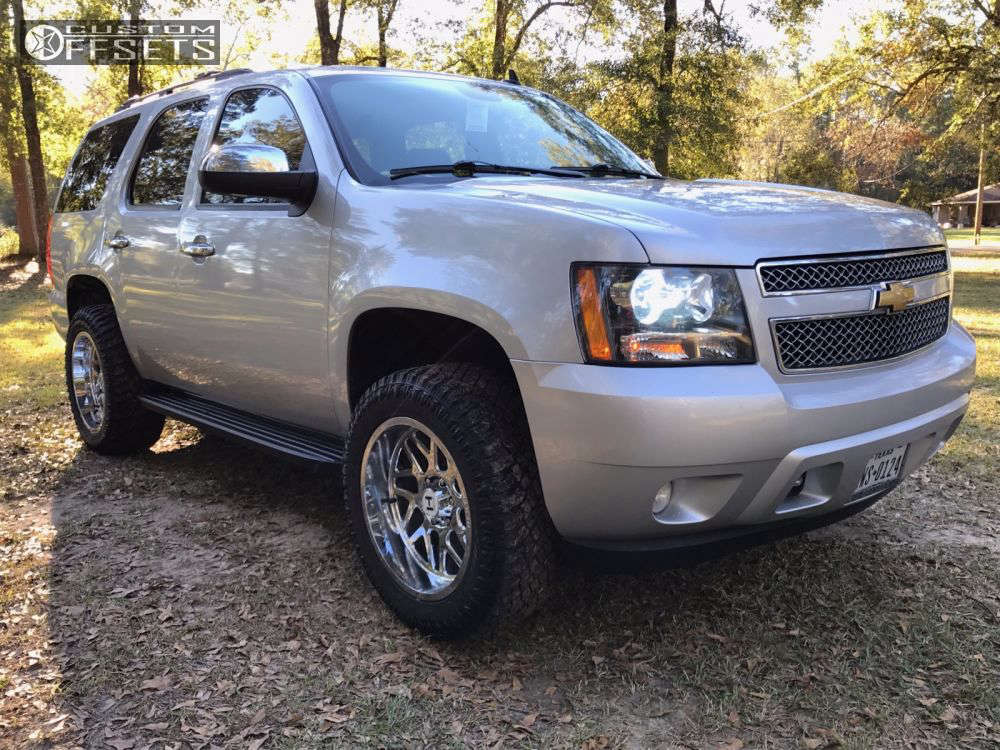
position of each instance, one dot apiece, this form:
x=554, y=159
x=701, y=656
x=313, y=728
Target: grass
x=988, y=235
x=976, y=446
x=8, y=242
x=204, y=594
x=30, y=349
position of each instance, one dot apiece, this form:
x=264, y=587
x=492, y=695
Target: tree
x=505, y=46
x=135, y=65
x=384, y=11
x=491, y=44
x=679, y=95
x=13, y=150
x=29, y=114
x=329, y=44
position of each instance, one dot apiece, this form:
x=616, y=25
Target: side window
x=88, y=175
x=163, y=165
x=261, y=115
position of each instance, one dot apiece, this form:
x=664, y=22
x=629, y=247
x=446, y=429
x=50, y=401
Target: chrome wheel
x=416, y=507
x=88, y=382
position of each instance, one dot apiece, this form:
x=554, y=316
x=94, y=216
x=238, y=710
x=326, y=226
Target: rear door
x=77, y=221
x=254, y=311
x=143, y=225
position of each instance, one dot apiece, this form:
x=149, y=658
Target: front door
x=251, y=289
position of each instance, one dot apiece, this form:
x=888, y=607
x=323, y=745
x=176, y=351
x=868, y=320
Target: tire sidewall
x=477, y=587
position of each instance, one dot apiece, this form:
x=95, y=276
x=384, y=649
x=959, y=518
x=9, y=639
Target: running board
x=269, y=433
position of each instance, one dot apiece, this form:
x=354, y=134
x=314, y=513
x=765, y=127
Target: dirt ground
x=205, y=595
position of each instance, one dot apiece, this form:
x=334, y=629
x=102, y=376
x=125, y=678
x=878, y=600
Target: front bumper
x=730, y=441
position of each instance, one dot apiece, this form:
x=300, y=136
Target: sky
x=290, y=34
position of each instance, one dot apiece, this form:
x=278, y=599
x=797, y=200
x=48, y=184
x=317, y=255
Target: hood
x=721, y=222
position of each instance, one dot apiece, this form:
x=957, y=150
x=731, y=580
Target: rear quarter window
x=87, y=177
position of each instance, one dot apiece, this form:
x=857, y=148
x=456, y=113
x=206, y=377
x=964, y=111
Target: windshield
x=388, y=122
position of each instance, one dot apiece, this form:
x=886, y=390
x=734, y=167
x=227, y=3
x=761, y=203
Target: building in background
x=960, y=210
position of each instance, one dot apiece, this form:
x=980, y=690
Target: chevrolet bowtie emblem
x=895, y=297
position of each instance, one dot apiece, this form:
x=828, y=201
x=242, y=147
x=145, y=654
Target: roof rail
x=211, y=75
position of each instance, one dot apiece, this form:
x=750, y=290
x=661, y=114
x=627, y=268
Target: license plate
x=882, y=468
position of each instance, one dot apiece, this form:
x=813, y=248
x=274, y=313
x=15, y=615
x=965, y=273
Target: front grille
x=837, y=274
x=856, y=339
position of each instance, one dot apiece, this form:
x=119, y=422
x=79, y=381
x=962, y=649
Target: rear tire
x=104, y=386
x=481, y=494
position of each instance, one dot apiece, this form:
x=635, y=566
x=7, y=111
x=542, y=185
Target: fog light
x=797, y=486
x=662, y=499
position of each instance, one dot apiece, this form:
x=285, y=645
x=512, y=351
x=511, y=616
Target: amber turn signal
x=595, y=330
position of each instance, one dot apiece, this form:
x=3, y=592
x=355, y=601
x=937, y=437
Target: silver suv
x=509, y=330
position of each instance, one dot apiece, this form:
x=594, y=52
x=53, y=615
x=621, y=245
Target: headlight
x=661, y=315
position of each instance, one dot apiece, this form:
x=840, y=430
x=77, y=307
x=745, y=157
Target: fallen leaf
x=157, y=683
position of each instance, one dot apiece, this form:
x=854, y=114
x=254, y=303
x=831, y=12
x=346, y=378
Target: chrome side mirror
x=258, y=170
x=245, y=157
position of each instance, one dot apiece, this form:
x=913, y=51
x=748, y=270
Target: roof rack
x=216, y=75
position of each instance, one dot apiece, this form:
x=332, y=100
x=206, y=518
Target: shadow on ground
x=206, y=592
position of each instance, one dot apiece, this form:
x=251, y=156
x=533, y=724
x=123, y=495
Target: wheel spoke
x=415, y=468
x=420, y=524
x=88, y=389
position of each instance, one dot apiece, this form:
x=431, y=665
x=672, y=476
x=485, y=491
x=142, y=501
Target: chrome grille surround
x=784, y=277
x=834, y=341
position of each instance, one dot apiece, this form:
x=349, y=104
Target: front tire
x=104, y=386
x=444, y=501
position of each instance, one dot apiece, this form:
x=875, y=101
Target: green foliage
x=895, y=115
x=708, y=105
x=9, y=244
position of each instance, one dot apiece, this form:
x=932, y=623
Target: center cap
x=429, y=503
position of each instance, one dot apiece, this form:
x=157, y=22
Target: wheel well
x=389, y=339
x=85, y=290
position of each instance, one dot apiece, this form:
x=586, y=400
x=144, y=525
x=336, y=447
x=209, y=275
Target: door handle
x=118, y=242
x=199, y=248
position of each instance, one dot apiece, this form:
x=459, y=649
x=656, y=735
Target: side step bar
x=269, y=433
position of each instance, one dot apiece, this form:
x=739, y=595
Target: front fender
x=498, y=264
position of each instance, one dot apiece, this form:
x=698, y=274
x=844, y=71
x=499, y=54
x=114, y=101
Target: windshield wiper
x=469, y=168
x=600, y=170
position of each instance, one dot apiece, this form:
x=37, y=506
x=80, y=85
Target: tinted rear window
x=88, y=175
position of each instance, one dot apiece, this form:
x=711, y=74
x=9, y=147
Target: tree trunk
x=36, y=166
x=383, y=28
x=323, y=31
x=134, y=72
x=385, y=10
x=499, y=39
x=979, y=187
x=329, y=45
x=665, y=88
x=340, y=32
x=27, y=229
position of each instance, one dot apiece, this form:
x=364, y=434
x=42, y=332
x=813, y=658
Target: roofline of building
x=961, y=203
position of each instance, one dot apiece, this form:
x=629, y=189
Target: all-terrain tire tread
x=128, y=426
x=484, y=413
